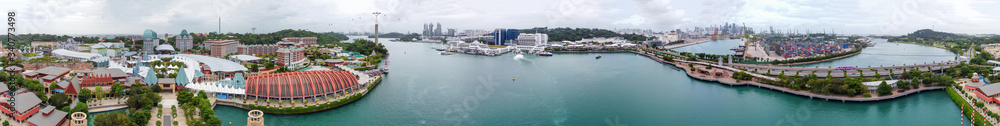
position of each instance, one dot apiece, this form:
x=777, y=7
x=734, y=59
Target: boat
x=445, y=53
x=439, y=49
x=598, y=57
x=545, y=54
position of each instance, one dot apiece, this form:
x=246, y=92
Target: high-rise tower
x=437, y=32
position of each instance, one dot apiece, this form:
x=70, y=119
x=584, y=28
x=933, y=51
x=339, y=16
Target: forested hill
x=274, y=37
x=575, y=34
x=928, y=34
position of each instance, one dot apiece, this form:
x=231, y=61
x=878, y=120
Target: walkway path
x=980, y=111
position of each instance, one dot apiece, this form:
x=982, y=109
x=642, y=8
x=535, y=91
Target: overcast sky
x=171, y=16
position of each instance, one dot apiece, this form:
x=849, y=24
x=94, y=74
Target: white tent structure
x=73, y=55
x=212, y=87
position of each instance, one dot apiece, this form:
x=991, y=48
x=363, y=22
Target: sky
x=882, y=17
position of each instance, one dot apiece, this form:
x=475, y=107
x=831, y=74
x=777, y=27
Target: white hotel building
x=532, y=39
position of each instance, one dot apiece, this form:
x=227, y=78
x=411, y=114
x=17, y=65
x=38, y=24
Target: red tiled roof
x=300, y=84
x=986, y=99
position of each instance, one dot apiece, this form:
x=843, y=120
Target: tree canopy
x=884, y=89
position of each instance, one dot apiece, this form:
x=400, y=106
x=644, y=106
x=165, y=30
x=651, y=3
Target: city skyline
x=240, y=16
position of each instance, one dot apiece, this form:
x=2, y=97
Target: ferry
x=545, y=54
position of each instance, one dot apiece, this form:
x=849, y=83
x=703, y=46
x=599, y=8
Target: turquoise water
x=425, y=88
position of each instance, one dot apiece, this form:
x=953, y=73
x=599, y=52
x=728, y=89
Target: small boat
x=445, y=53
x=393, y=40
x=598, y=57
x=545, y=54
x=512, y=78
x=439, y=49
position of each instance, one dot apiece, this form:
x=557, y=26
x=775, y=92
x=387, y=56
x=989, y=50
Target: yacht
x=544, y=54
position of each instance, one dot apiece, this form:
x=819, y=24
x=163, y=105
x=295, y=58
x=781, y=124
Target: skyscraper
x=427, y=30
x=505, y=36
x=437, y=32
x=451, y=32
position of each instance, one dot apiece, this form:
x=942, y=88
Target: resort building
x=70, y=87
x=184, y=41
x=221, y=48
x=256, y=49
x=303, y=84
x=100, y=76
x=533, y=39
x=48, y=116
x=983, y=89
x=149, y=41
x=27, y=104
x=873, y=85
x=291, y=56
x=48, y=74
x=305, y=41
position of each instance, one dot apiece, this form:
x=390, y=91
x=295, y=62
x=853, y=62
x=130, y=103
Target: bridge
x=858, y=71
x=868, y=71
